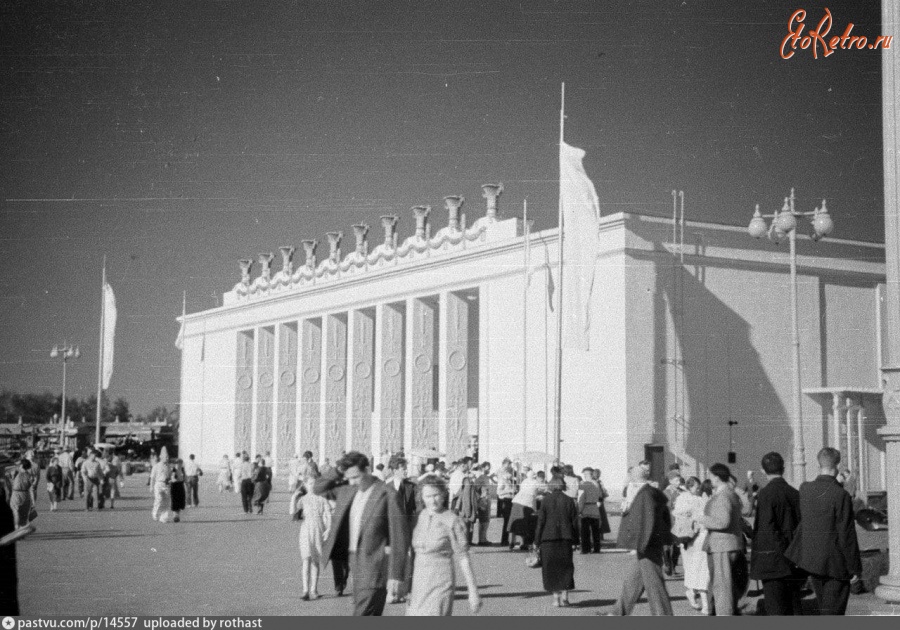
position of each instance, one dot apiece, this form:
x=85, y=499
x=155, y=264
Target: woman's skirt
x=522, y=521
x=433, y=586
x=261, y=492
x=696, y=567
x=604, y=521
x=54, y=491
x=557, y=567
x=178, y=496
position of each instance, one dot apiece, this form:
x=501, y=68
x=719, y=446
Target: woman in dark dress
x=176, y=489
x=262, y=485
x=557, y=532
x=54, y=483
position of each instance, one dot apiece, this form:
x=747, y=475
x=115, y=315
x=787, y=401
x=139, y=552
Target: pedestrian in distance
x=192, y=474
x=245, y=475
x=825, y=544
x=177, y=490
x=314, y=513
x=223, y=481
x=159, y=487
x=54, y=483
x=555, y=537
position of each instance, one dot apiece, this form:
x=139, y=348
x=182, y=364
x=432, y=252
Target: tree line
x=46, y=407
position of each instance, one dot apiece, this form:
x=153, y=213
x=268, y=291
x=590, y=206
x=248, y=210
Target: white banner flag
x=109, y=332
x=581, y=245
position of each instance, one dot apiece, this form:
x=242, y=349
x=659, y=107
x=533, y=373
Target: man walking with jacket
x=825, y=544
x=646, y=528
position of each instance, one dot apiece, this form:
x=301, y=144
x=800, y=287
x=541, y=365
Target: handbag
x=533, y=559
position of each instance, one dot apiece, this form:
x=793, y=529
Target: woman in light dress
x=522, y=517
x=314, y=512
x=236, y=472
x=438, y=538
x=20, y=500
x=159, y=487
x=224, y=480
x=688, y=508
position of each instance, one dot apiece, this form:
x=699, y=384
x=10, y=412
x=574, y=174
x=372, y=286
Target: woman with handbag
x=688, y=508
x=557, y=532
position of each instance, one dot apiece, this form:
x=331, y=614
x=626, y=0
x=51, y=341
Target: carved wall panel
x=363, y=380
x=243, y=394
x=422, y=379
x=393, y=366
x=265, y=389
x=335, y=425
x=457, y=375
x=310, y=386
x=286, y=438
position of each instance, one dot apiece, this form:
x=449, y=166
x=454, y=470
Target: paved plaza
x=219, y=561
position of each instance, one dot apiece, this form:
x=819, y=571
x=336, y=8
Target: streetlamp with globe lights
x=784, y=224
x=64, y=352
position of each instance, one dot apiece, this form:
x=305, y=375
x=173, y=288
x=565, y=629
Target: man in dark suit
x=825, y=544
x=777, y=516
x=370, y=529
x=407, y=495
x=646, y=527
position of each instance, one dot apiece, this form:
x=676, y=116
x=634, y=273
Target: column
x=334, y=386
x=243, y=395
x=390, y=366
x=421, y=351
x=361, y=379
x=836, y=420
x=265, y=394
x=310, y=387
x=286, y=432
x=454, y=363
x=889, y=590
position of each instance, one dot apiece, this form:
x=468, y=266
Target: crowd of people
x=402, y=533
x=796, y=537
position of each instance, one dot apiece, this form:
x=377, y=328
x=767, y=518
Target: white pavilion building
x=420, y=343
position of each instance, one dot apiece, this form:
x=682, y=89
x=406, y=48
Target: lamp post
x=64, y=352
x=784, y=224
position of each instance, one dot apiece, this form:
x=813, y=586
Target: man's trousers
x=644, y=574
x=590, y=534
x=831, y=594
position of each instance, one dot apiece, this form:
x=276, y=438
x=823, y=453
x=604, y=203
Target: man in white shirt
x=369, y=527
x=192, y=473
x=456, y=479
x=67, y=463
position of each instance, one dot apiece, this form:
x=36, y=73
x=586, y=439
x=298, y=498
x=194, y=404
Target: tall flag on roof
x=581, y=246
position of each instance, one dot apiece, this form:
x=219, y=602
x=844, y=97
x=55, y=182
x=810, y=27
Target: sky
x=176, y=138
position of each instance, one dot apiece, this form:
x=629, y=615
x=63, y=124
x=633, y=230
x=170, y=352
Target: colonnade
x=377, y=379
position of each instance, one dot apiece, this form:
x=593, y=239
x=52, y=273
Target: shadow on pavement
x=83, y=535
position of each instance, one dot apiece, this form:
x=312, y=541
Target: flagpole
x=557, y=434
x=527, y=256
x=100, y=363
